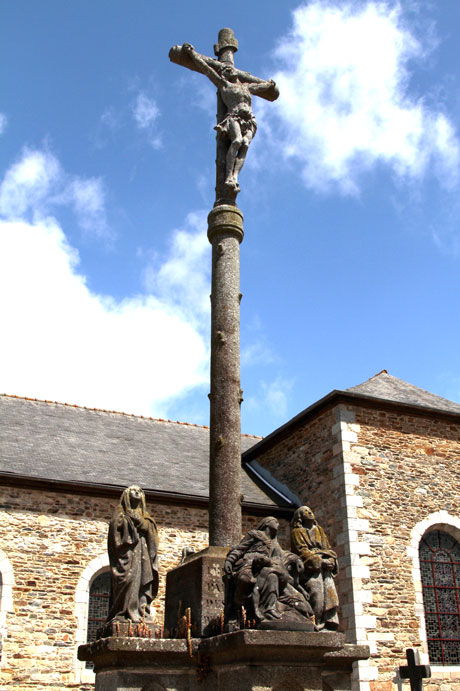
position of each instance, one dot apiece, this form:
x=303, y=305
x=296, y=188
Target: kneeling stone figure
x=309, y=541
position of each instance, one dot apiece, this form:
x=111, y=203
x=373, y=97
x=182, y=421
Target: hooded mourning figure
x=133, y=555
x=309, y=541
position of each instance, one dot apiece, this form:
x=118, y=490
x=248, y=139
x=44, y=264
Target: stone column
x=225, y=233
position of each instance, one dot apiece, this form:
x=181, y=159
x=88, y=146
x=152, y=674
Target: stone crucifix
x=235, y=127
x=236, y=124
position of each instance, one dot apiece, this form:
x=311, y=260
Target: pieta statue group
x=282, y=589
x=278, y=589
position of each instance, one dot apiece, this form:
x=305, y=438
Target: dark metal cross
x=414, y=671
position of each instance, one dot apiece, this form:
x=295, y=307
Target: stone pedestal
x=197, y=584
x=240, y=661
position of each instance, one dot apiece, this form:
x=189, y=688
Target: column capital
x=225, y=219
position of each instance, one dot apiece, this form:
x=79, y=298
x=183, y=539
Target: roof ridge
x=383, y=371
x=398, y=390
x=102, y=410
x=115, y=412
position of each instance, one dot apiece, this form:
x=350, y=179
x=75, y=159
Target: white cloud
x=276, y=396
x=145, y=113
x=141, y=108
x=29, y=184
x=111, y=119
x=272, y=398
x=255, y=349
x=257, y=352
x=3, y=122
x=64, y=342
x=88, y=198
x=183, y=278
x=36, y=185
x=345, y=105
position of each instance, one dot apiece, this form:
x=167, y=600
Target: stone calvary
x=244, y=613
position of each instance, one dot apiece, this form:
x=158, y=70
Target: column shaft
x=225, y=232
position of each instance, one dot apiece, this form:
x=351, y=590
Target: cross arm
x=182, y=56
x=267, y=90
x=259, y=87
x=417, y=672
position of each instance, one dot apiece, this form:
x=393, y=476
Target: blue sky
x=350, y=192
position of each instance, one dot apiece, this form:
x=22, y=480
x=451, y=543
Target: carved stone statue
x=236, y=124
x=239, y=124
x=309, y=541
x=133, y=555
x=264, y=579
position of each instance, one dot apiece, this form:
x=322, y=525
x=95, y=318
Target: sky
x=350, y=192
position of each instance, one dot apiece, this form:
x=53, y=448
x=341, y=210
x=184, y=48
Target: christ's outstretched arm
x=203, y=66
x=261, y=87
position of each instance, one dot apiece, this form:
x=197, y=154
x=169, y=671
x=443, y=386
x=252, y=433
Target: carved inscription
x=213, y=591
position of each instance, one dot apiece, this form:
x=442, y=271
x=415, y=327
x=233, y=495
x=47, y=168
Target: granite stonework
x=236, y=124
x=389, y=472
x=132, y=545
x=320, y=567
x=236, y=127
x=388, y=464
x=197, y=585
x=244, y=660
x=262, y=584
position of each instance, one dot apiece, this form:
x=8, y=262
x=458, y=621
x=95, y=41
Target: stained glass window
x=439, y=556
x=98, y=606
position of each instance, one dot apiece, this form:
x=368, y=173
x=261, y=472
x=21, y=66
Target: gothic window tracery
x=439, y=555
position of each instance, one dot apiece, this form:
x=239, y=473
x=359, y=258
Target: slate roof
x=58, y=442
x=382, y=387
x=389, y=388
x=70, y=444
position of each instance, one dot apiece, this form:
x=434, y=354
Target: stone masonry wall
x=309, y=462
x=371, y=477
x=375, y=479
x=404, y=470
x=50, y=539
x=312, y=462
x=303, y=462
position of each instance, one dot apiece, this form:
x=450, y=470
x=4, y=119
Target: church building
x=377, y=463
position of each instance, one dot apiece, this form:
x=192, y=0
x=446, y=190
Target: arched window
x=439, y=555
x=99, y=602
x=6, y=596
x=96, y=567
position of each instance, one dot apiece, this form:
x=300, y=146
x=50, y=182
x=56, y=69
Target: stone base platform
x=247, y=660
